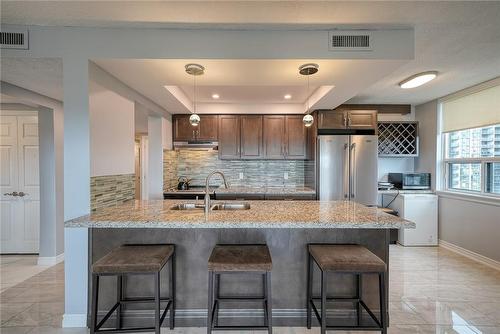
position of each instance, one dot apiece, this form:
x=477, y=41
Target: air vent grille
x=14, y=38
x=350, y=41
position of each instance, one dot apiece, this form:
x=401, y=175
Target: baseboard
x=74, y=320
x=470, y=254
x=50, y=260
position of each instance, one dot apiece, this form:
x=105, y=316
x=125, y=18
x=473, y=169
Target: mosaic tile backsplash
x=110, y=190
x=256, y=173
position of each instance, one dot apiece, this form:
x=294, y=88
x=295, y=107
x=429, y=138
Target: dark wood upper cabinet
x=229, y=137
x=251, y=137
x=274, y=136
x=347, y=119
x=208, y=128
x=362, y=119
x=296, y=136
x=182, y=129
x=332, y=119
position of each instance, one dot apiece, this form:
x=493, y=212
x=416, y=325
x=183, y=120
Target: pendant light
x=308, y=69
x=194, y=70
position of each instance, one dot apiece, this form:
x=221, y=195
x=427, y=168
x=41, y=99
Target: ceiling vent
x=350, y=41
x=14, y=38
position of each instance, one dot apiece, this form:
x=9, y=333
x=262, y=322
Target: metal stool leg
x=359, y=295
x=95, y=300
x=323, y=301
x=172, y=291
x=309, y=290
x=210, y=301
x=383, y=310
x=157, y=303
x=119, y=298
x=269, y=303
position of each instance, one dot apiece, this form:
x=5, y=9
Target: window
x=472, y=160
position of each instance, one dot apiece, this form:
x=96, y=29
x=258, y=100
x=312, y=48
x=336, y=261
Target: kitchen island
x=285, y=226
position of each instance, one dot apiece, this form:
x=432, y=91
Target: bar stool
x=134, y=260
x=346, y=259
x=231, y=259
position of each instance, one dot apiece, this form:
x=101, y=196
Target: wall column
x=155, y=158
x=76, y=188
x=51, y=181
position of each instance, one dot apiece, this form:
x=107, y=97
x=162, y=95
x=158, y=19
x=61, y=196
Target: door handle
x=349, y=121
x=345, y=122
x=14, y=193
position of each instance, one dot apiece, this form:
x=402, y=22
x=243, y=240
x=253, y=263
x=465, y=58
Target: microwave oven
x=410, y=181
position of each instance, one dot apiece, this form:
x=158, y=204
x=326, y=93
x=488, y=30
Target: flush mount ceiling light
x=287, y=97
x=308, y=70
x=215, y=96
x=418, y=79
x=194, y=70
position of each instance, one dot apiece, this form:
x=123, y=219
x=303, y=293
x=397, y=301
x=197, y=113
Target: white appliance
x=422, y=209
x=347, y=168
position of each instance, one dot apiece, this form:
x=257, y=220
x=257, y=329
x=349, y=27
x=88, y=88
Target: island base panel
x=289, y=274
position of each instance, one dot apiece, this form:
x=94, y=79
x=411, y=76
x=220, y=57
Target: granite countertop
x=248, y=190
x=262, y=214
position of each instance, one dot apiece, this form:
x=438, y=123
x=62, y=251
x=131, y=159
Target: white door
x=19, y=184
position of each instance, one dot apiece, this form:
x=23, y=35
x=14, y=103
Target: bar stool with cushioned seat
x=231, y=259
x=345, y=259
x=134, y=260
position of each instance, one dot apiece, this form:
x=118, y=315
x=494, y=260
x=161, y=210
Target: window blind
x=477, y=109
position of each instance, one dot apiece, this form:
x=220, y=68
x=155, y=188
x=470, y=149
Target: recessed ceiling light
x=418, y=79
x=215, y=96
x=287, y=97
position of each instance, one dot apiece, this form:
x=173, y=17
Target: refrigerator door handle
x=346, y=171
x=353, y=170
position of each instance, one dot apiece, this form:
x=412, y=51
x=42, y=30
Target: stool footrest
x=243, y=328
x=138, y=329
x=360, y=302
x=241, y=298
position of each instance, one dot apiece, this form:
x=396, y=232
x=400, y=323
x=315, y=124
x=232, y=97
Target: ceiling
x=263, y=81
x=459, y=39
x=40, y=75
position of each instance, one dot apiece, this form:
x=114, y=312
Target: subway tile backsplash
x=196, y=165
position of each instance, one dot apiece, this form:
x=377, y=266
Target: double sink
x=215, y=207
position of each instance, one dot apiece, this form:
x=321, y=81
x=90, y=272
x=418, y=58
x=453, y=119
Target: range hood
x=198, y=145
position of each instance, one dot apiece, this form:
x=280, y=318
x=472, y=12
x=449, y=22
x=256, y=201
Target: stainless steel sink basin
x=231, y=206
x=187, y=206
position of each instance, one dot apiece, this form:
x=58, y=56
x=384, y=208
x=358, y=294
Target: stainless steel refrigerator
x=347, y=168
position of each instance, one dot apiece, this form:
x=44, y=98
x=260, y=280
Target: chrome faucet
x=207, y=189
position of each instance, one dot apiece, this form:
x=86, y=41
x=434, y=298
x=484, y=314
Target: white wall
x=427, y=116
x=111, y=133
x=167, y=133
x=463, y=221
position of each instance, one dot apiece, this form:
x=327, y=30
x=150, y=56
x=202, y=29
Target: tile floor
x=432, y=290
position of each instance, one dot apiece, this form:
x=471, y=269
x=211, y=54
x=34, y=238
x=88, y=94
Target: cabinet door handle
x=349, y=121
x=345, y=122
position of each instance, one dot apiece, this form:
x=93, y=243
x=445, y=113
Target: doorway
x=19, y=183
